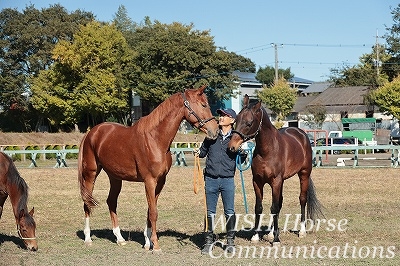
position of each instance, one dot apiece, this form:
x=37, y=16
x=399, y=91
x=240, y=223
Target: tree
x=363, y=74
x=316, y=115
x=26, y=42
x=280, y=98
x=387, y=97
x=392, y=66
x=90, y=78
x=267, y=75
x=174, y=56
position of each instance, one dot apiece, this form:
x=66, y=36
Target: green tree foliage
x=387, y=97
x=267, y=75
x=280, y=98
x=392, y=67
x=26, y=42
x=176, y=56
x=363, y=74
x=89, y=78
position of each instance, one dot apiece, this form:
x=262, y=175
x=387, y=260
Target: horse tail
x=314, y=206
x=86, y=194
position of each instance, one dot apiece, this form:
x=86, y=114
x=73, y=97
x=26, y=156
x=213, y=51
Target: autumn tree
x=387, y=97
x=280, y=98
x=89, y=79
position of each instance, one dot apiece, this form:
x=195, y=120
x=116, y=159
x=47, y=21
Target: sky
x=311, y=36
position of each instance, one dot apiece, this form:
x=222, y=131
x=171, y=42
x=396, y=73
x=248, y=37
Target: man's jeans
x=225, y=186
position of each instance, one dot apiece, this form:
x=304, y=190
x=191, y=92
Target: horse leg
x=153, y=190
x=276, y=206
x=3, y=197
x=304, y=181
x=258, y=209
x=115, y=189
x=88, y=183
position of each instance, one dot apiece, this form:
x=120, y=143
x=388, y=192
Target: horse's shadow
x=137, y=236
x=183, y=238
x=16, y=240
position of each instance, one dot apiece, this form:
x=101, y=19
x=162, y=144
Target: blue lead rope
x=249, y=151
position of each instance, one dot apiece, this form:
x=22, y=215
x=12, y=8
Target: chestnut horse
x=139, y=153
x=13, y=185
x=278, y=155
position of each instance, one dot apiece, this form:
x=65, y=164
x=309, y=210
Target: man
x=219, y=179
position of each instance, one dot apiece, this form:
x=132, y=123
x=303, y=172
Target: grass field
x=366, y=201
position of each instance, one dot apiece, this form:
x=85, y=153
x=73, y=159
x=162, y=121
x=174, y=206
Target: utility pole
x=275, y=45
x=377, y=63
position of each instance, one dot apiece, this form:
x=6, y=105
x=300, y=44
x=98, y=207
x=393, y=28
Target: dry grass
x=367, y=198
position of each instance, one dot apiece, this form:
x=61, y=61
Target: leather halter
x=253, y=135
x=201, y=122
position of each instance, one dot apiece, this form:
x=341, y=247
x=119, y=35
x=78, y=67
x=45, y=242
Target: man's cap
x=229, y=112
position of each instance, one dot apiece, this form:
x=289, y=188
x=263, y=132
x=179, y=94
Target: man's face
x=225, y=120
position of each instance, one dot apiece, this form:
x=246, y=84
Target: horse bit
x=201, y=122
x=250, y=136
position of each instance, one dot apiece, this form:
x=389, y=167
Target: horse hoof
x=302, y=234
x=88, y=243
x=157, y=251
x=276, y=244
x=270, y=237
x=255, y=238
x=146, y=247
x=121, y=242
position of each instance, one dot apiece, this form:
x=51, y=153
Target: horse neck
x=267, y=135
x=164, y=121
x=17, y=191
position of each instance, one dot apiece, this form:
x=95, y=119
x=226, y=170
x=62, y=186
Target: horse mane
x=152, y=120
x=15, y=179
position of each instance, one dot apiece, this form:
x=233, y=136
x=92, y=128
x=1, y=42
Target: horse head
x=248, y=124
x=26, y=227
x=198, y=112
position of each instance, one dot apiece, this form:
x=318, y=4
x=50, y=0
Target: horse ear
x=245, y=100
x=257, y=106
x=32, y=211
x=202, y=88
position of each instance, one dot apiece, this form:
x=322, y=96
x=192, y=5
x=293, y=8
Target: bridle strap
x=23, y=238
x=253, y=135
x=201, y=122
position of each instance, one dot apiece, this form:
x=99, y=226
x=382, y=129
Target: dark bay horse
x=140, y=153
x=13, y=185
x=278, y=155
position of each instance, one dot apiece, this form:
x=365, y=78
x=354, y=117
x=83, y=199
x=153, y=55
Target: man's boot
x=230, y=233
x=208, y=237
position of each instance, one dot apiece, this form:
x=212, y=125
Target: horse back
x=123, y=152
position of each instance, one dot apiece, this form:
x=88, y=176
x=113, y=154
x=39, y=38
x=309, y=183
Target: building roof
x=246, y=77
x=301, y=103
x=339, y=96
x=317, y=87
x=302, y=81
